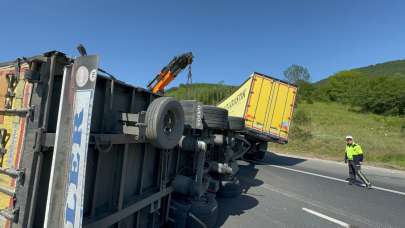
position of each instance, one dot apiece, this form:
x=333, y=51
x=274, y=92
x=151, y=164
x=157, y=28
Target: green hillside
x=378, y=94
x=204, y=92
x=318, y=130
x=391, y=68
x=377, y=88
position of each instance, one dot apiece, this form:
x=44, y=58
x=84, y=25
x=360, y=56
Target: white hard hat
x=349, y=137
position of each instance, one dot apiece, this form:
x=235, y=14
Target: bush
x=378, y=94
x=310, y=101
x=301, y=133
x=301, y=117
x=301, y=129
x=305, y=91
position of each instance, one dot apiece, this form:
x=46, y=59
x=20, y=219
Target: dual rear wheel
x=164, y=122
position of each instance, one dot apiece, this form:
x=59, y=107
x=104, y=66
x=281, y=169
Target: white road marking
x=388, y=190
x=337, y=179
x=326, y=217
x=323, y=206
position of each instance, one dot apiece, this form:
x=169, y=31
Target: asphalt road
x=286, y=191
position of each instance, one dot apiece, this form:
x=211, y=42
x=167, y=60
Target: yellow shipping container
x=266, y=104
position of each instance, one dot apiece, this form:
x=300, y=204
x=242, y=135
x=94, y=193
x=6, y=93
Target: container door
x=269, y=107
x=257, y=105
x=260, y=98
x=15, y=94
x=66, y=185
x=280, y=110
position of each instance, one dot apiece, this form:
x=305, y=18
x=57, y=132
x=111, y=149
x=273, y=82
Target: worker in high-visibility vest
x=354, y=157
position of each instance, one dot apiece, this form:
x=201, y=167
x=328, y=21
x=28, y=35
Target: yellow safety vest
x=352, y=150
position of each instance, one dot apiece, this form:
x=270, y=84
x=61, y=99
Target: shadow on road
x=238, y=205
x=281, y=160
x=247, y=177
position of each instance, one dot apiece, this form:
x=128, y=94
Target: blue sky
x=229, y=39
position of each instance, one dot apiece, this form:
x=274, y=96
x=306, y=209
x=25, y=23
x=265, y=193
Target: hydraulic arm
x=169, y=72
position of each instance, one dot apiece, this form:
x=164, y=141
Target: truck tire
x=195, y=213
x=236, y=123
x=255, y=155
x=182, y=184
x=165, y=122
x=229, y=188
x=188, y=106
x=203, y=212
x=192, y=114
x=260, y=155
x=178, y=213
x=257, y=152
x=214, y=117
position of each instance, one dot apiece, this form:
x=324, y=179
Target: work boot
x=369, y=186
x=352, y=181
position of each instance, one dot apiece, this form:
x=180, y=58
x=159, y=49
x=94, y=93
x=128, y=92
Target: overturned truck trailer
x=80, y=148
x=75, y=149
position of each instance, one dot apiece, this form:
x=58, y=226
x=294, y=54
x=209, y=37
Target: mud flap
x=67, y=180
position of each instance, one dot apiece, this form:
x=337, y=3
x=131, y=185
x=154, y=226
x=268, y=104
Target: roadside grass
x=319, y=130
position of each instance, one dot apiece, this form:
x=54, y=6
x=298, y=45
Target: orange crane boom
x=170, y=72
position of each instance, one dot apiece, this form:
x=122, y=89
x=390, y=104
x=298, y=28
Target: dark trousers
x=355, y=170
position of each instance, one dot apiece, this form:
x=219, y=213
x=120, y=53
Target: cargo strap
x=3, y=137
x=12, y=80
x=9, y=213
x=3, y=140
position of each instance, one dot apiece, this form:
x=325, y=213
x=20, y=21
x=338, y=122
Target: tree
x=296, y=73
x=305, y=91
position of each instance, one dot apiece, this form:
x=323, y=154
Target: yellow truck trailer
x=266, y=104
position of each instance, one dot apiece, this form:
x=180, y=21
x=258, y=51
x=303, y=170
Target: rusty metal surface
x=15, y=126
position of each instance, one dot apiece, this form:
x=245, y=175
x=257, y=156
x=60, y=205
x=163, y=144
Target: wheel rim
x=169, y=123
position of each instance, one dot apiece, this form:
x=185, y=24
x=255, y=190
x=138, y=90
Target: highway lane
x=286, y=191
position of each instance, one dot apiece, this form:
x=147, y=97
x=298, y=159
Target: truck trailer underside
x=80, y=148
